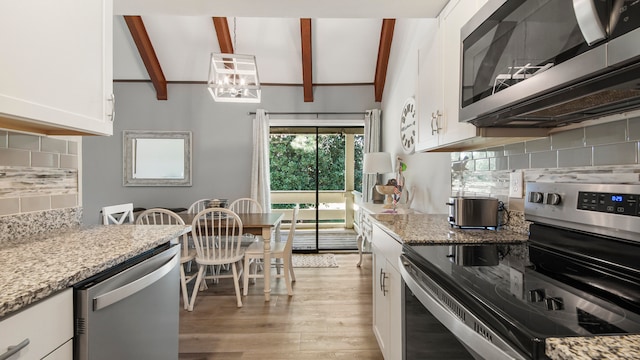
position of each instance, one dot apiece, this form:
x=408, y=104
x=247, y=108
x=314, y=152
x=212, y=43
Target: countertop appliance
x=550, y=63
x=473, y=211
x=577, y=275
x=130, y=311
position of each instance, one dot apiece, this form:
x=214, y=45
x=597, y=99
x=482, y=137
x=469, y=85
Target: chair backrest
x=292, y=230
x=245, y=206
x=117, y=214
x=217, y=234
x=198, y=206
x=158, y=216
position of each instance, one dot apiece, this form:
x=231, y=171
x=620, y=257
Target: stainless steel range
x=577, y=275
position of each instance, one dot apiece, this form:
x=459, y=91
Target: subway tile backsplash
x=38, y=184
x=608, y=152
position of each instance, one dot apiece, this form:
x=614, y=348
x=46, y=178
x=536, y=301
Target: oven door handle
x=467, y=336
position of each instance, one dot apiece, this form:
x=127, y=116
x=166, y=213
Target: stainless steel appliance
x=131, y=310
x=469, y=211
x=577, y=275
x=549, y=63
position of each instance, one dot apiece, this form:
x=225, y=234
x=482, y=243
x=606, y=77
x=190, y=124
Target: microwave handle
x=588, y=21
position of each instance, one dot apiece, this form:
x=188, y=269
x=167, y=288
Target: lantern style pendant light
x=234, y=77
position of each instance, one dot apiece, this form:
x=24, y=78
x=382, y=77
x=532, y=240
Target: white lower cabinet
x=387, y=294
x=47, y=325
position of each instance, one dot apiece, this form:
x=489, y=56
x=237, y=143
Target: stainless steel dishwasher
x=131, y=310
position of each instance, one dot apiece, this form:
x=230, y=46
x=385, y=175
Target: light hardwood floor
x=329, y=317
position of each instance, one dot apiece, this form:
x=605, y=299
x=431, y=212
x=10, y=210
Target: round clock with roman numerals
x=408, y=126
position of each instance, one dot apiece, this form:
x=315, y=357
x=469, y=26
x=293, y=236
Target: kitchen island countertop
x=36, y=268
x=427, y=229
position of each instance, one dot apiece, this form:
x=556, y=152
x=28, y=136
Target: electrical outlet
x=515, y=184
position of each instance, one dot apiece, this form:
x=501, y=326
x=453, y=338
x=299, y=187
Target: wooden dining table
x=257, y=224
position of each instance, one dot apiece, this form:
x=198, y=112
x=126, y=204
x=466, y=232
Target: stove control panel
x=613, y=203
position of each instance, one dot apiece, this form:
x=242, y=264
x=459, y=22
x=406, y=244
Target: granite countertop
x=435, y=229
x=594, y=348
x=34, y=269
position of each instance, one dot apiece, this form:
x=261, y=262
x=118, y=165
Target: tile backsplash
x=606, y=153
x=39, y=186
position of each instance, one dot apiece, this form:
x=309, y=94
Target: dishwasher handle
x=113, y=296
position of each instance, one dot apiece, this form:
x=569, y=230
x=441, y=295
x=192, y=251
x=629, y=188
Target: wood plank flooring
x=329, y=317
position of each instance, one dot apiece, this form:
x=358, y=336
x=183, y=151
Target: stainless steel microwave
x=549, y=63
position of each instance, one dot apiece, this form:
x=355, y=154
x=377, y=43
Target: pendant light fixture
x=233, y=77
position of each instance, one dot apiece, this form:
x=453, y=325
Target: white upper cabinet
x=57, y=72
x=438, y=92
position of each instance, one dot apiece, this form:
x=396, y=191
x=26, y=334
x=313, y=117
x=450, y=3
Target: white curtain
x=260, y=175
x=371, y=144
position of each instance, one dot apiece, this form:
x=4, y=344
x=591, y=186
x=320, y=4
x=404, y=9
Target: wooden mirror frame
x=128, y=139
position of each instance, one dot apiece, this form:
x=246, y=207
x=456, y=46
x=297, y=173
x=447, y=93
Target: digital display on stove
x=613, y=203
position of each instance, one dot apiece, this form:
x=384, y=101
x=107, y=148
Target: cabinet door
x=47, y=325
x=455, y=15
x=57, y=65
x=380, y=301
x=430, y=96
x=394, y=284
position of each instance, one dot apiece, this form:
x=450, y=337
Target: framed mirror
x=156, y=158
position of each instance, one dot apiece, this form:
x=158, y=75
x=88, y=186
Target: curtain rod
x=308, y=113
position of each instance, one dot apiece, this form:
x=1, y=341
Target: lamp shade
x=377, y=163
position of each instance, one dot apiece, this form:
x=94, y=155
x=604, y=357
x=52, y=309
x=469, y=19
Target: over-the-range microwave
x=549, y=63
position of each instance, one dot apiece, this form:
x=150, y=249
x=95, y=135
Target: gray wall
x=222, y=140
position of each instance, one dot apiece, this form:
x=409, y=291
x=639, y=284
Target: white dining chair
x=167, y=217
x=217, y=234
x=245, y=206
x=118, y=214
x=198, y=206
x=281, y=253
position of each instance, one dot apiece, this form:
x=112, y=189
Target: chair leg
x=293, y=275
x=287, y=274
x=236, y=284
x=245, y=277
x=196, y=287
x=183, y=287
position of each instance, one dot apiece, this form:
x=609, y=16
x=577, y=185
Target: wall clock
x=408, y=126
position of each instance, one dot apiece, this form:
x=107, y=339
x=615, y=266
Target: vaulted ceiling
x=306, y=43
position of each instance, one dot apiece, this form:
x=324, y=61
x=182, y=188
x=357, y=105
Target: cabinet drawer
x=47, y=324
x=387, y=246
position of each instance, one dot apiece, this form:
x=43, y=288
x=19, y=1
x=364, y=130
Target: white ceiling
x=345, y=36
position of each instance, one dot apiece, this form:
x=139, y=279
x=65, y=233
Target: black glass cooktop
x=558, y=284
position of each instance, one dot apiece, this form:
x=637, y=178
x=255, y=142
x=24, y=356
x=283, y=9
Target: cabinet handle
x=11, y=350
x=383, y=278
x=435, y=116
x=111, y=116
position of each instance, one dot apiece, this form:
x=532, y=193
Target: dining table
x=261, y=224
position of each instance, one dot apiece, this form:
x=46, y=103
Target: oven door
x=422, y=301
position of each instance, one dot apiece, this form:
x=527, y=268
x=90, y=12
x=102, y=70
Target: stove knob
x=535, y=197
x=553, y=199
x=554, y=303
x=536, y=295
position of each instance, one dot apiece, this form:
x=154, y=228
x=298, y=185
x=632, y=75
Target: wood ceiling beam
x=222, y=32
x=148, y=55
x=307, y=66
x=386, y=36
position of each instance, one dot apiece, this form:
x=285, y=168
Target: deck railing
x=335, y=208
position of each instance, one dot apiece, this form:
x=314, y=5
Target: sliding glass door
x=317, y=168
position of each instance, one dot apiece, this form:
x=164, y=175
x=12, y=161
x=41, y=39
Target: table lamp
x=377, y=163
